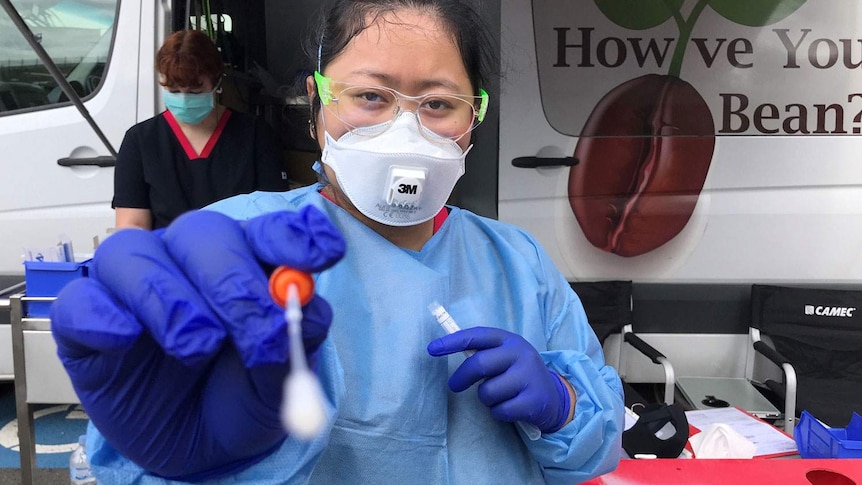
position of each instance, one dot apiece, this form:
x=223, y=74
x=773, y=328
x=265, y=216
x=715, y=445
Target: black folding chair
x=815, y=336
x=608, y=305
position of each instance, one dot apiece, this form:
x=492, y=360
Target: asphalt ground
x=57, y=428
x=44, y=476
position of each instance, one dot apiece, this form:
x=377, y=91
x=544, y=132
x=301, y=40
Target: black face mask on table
x=642, y=439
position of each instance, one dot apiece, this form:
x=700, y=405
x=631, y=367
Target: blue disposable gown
x=394, y=418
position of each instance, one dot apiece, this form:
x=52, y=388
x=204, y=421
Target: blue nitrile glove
x=174, y=345
x=517, y=385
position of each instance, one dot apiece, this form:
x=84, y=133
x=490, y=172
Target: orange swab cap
x=283, y=277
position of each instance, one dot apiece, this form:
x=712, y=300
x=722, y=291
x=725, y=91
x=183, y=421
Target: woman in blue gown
x=179, y=358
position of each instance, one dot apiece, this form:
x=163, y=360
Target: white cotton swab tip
x=302, y=409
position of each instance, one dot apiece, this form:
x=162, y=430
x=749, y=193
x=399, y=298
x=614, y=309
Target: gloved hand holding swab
x=302, y=406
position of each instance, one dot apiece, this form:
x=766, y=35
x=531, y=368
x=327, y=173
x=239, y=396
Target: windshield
x=77, y=36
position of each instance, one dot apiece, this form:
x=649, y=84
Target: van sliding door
x=58, y=175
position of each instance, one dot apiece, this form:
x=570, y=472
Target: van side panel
x=723, y=153
x=42, y=200
x=772, y=193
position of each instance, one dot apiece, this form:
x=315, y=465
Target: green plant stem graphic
x=685, y=27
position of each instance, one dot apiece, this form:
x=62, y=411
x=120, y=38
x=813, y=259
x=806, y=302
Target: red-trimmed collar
x=184, y=142
x=440, y=218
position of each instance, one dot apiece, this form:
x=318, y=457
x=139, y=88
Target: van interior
x=263, y=45
x=266, y=48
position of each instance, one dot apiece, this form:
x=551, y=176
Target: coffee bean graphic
x=644, y=154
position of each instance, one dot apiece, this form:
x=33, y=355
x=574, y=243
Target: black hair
x=347, y=18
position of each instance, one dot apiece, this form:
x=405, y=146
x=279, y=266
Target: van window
x=76, y=34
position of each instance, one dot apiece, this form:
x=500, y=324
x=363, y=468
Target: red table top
x=729, y=472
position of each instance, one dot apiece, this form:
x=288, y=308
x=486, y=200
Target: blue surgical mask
x=190, y=108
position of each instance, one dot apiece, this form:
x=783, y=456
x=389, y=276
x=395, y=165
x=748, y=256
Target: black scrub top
x=157, y=169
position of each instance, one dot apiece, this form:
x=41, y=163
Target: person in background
x=196, y=152
x=179, y=359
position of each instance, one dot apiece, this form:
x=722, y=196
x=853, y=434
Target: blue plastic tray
x=46, y=279
x=815, y=440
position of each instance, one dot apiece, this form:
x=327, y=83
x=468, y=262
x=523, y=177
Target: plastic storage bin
x=46, y=279
x=815, y=440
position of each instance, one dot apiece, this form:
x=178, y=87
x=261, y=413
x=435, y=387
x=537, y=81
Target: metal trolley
x=7, y=372
x=39, y=375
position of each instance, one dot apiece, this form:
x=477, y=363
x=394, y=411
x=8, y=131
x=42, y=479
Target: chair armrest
x=658, y=358
x=789, y=382
x=770, y=353
x=643, y=347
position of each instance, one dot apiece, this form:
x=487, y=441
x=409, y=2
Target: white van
x=694, y=151
x=715, y=145
x=58, y=174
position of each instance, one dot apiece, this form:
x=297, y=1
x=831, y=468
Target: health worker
x=179, y=358
x=195, y=152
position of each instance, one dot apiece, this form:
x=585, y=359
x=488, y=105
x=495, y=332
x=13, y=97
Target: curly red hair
x=187, y=58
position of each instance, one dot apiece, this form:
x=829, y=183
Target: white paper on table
x=768, y=439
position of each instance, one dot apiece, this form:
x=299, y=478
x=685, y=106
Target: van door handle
x=100, y=161
x=536, y=162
